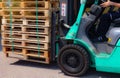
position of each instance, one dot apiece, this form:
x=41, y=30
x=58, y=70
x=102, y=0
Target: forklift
x=74, y=48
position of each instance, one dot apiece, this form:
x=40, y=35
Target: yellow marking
x=109, y=40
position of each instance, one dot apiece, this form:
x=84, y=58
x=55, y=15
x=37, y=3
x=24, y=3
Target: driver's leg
x=104, y=25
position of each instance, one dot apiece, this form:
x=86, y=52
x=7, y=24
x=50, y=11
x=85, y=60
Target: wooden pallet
x=36, y=45
x=25, y=17
x=12, y=12
x=11, y=42
x=14, y=36
x=26, y=37
x=42, y=22
x=10, y=5
x=27, y=0
x=13, y=28
x=27, y=22
x=34, y=55
x=35, y=30
x=29, y=12
x=25, y=44
x=32, y=13
x=12, y=17
x=16, y=50
x=25, y=5
x=12, y=21
x=35, y=38
x=24, y=40
x=25, y=29
x=38, y=56
x=32, y=5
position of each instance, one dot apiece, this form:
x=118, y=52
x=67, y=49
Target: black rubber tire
x=73, y=60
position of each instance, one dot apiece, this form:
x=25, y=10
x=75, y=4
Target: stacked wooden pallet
x=26, y=29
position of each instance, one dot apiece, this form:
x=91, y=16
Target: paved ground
x=13, y=68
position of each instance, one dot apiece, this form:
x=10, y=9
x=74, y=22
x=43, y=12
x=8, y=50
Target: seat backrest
x=89, y=19
x=95, y=10
x=87, y=22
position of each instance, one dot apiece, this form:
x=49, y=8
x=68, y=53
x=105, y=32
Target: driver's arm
x=110, y=3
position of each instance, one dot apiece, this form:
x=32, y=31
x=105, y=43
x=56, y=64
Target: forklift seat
x=95, y=10
x=87, y=22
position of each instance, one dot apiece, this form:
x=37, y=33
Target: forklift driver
x=106, y=20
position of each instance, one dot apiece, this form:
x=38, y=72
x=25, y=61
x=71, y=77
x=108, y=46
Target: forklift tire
x=73, y=60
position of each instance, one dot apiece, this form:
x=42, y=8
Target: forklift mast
x=69, y=10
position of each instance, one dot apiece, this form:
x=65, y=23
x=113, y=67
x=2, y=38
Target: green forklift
x=75, y=49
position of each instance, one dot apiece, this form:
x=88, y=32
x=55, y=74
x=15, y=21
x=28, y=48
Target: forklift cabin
x=78, y=52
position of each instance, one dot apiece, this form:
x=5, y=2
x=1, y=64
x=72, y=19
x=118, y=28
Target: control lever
x=63, y=24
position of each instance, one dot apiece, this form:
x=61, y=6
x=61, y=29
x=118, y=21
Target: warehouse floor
x=14, y=68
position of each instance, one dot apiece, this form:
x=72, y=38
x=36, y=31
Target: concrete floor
x=14, y=68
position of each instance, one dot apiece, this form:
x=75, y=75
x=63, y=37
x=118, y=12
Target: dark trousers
x=105, y=22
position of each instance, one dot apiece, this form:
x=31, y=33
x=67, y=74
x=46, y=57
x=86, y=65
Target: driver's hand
x=106, y=4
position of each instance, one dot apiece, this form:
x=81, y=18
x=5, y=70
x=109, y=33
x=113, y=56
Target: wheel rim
x=72, y=60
